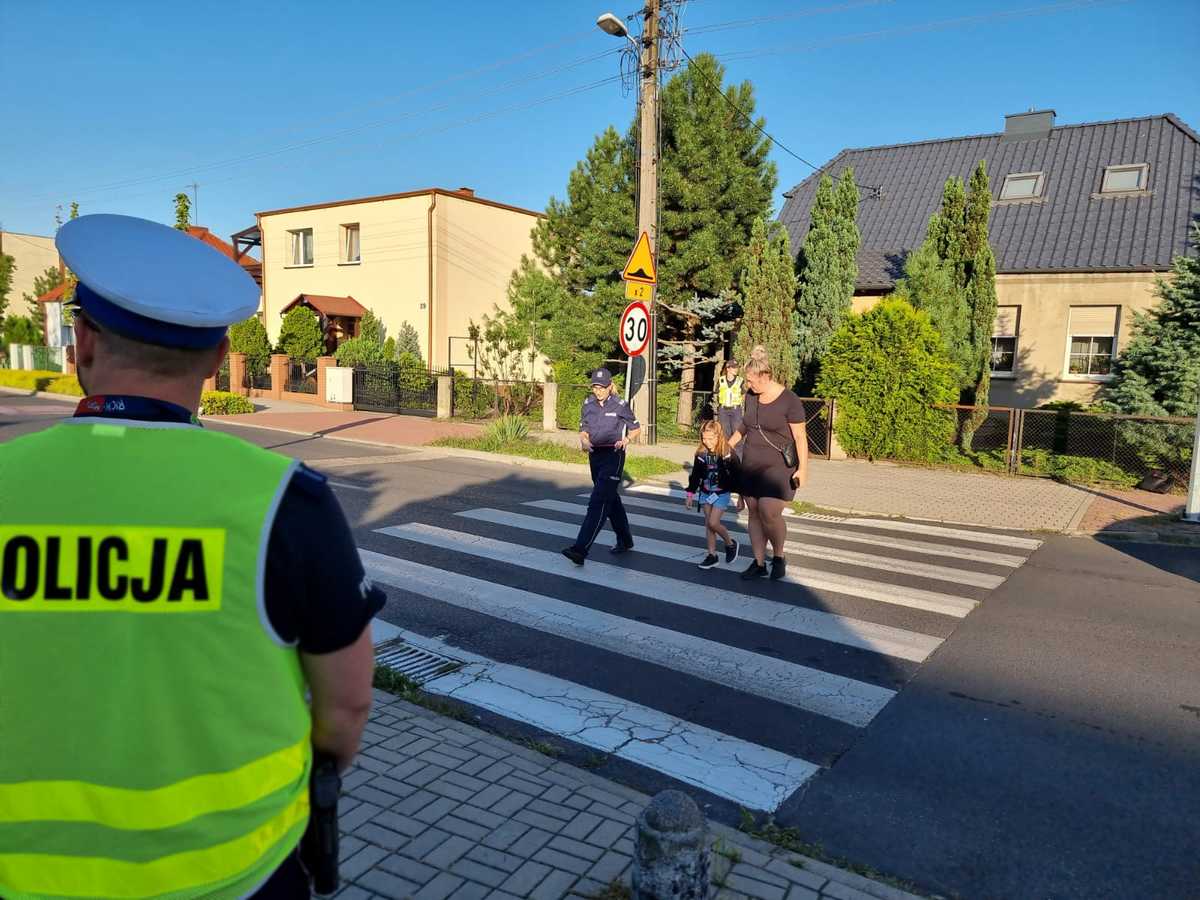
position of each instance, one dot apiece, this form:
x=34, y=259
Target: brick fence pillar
x=237, y=374
x=323, y=363
x=550, y=406
x=279, y=373
x=210, y=384
x=69, y=360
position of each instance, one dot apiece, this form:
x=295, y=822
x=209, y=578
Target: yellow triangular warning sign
x=640, y=267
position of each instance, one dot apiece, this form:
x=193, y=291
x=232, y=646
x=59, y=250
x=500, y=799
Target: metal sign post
x=1191, y=511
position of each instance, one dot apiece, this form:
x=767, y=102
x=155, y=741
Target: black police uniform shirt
x=606, y=423
x=317, y=595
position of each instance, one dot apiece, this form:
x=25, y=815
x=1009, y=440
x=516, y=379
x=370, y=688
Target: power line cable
x=764, y=20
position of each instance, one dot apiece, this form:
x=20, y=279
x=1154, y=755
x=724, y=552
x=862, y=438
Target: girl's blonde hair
x=758, y=363
x=722, y=448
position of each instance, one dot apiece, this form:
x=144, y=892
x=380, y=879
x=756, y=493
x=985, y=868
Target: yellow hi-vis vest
x=154, y=734
x=729, y=394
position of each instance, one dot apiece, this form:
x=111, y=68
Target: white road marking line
x=749, y=774
x=346, y=484
x=833, y=554
x=834, y=696
x=960, y=534
x=927, y=548
x=933, y=601
x=795, y=619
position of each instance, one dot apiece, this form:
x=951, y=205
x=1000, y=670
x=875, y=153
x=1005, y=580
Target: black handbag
x=788, y=452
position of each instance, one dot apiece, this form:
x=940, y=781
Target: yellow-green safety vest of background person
x=154, y=730
x=729, y=394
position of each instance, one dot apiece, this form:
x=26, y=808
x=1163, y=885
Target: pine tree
x=768, y=289
x=183, y=210
x=250, y=337
x=820, y=305
x=408, y=341
x=8, y=265
x=848, y=235
x=370, y=328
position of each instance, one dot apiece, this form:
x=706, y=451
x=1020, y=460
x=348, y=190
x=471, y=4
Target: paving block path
x=434, y=809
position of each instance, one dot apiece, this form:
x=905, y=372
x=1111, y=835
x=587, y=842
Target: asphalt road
x=1049, y=747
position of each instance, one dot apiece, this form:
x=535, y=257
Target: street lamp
x=610, y=24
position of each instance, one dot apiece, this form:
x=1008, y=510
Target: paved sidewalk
x=435, y=808
x=370, y=427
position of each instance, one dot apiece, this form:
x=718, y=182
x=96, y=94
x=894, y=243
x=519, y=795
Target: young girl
x=714, y=473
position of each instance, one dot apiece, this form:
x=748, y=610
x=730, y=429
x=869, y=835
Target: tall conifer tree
x=768, y=288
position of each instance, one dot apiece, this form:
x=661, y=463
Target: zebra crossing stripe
x=749, y=774
x=832, y=554
x=958, y=534
x=833, y=696
x=798, y=526
x=825, y=626
x=932, y=601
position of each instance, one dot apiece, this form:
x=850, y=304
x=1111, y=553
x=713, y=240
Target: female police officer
x=606, y=426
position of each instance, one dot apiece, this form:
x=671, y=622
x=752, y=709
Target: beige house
x=1083, y=218
x=33, y=255
x=436, y=259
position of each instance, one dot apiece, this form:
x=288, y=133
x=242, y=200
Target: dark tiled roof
x=1068, y=231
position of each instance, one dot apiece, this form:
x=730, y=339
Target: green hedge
x=888, y=369
x=224, y=403
x=38, y=380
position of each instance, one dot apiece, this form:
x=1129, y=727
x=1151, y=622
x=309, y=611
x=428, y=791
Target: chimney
x=1028, y=126
x=466, y=191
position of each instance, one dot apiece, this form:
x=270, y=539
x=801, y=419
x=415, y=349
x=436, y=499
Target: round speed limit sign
x=635, y=328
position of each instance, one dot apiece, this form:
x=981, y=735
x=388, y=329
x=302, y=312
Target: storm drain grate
x=414, y=662
x=822, y=517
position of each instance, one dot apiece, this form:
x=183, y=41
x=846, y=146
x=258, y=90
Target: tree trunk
x=979, y=399
x=687, y=384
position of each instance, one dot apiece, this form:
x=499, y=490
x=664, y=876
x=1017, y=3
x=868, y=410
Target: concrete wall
x=476, y=249
x=1044, y=301
x=33, y=255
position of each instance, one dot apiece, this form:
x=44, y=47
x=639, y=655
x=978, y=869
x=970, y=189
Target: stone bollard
x=550, y=406
x=671, y=860
x=445, y=396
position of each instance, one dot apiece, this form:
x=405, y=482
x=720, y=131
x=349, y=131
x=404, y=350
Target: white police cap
x=153, y=283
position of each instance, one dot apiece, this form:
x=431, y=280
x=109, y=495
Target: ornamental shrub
x=250, y=337
x=887, y=368
x=359, y=351
x=300, y=335
x=224, y=403
x=40, y=380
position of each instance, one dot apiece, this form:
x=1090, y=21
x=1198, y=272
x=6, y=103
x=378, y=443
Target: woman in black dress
x=772, y=427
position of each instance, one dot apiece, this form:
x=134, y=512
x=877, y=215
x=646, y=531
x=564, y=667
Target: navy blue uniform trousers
x=605, y=502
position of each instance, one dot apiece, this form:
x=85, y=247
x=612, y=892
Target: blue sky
x=266, y=105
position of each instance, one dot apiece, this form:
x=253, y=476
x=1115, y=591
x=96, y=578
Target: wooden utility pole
x=645, y=400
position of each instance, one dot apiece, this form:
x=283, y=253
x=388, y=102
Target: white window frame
x=1143, y=179
x=1039, y=185
x=293, y=235
x=1016, y=339
x=343, y=244
x=1068, y=375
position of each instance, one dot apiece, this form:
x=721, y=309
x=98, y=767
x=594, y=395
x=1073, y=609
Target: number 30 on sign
x=635, y=328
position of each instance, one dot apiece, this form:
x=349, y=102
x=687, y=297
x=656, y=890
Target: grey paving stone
x=405, y=769
x=477, y=871
x=624, y=845
x=408, y=869
x=511, y=804
x=479, y=816
x=373, y=765
x=436, y=811
x=525, y=784
x=554, y=886
x=559, y=860
x=414, y=802
x=578, y=801
x=462, y=828
x=505, y=835
x=581, y=826
x=361, y=861
x=453, y=791
x=424, y=844
x=361, y=813
x=385, y=756
x=353, y=892
x=401, y=741
x=796, y=875
x=450, y=851
x=496, y=771
x=474, y=785
x=753, y=888
x=476, y=765
x=554, y=810
x=528, y=761
x=373, y=795
x=602, y=796
x=611, y=812
x=758, y=873
x=447, y=756
x=576, y=848
x=420, y=745
x=355, y=777
x=427, y=775
x=530, y=842
x=471, y=890
x=440, y=888
x=349, y=845
x=800, y=892
x=495, y=859
x=487, y=748
x=501, y=895
x=386, y=885
x=611, y=865
x=554, y=776
x=538, y=820
x=390, y=785
x=607, y=833
x=405, y=825
x=556, y=794
x=844, y=892
x=587, y=887
x=490, y=795
x=460, y=736
x=523, y=881
x=381, y=837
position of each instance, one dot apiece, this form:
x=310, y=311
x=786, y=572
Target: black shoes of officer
x=778, y=567
x=709, y=562
x=731, y=552
x=620, y=548
x=754, y=570
x=574, y=556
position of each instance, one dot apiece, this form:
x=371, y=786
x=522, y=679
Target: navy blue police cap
x=602, y=377
x=152, y=283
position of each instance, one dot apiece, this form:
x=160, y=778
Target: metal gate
x=386, y=387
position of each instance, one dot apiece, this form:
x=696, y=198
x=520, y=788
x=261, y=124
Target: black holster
x=319, y=846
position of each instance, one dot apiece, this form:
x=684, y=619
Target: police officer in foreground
x=168, y=596
x=606, y=426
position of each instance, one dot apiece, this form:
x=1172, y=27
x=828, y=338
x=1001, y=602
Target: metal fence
x=481, y=398
x=390, y=387
x=257, y=380
x=223, y=376
x=302, y=377
x=47, y=359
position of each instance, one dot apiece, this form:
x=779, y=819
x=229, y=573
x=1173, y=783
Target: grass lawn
x=635, y=466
